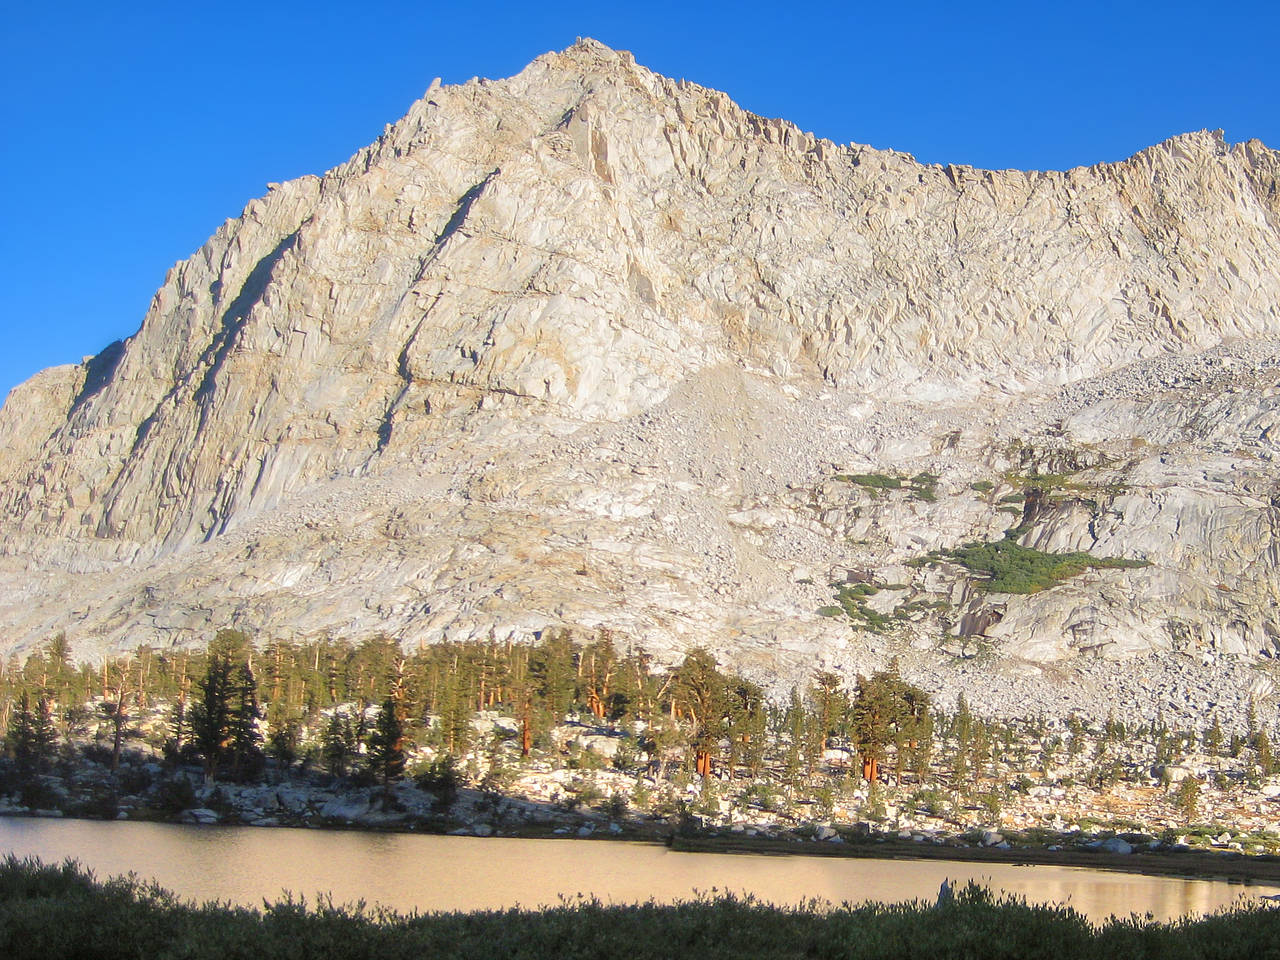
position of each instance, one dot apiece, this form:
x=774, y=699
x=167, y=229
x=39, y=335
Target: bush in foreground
x=61, y=911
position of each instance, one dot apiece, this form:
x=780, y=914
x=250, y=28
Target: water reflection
x=245, y=865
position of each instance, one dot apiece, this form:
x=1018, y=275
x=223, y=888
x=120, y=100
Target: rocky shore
x=1074, y=795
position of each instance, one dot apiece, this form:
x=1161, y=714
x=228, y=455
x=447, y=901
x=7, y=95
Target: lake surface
x=245, y=865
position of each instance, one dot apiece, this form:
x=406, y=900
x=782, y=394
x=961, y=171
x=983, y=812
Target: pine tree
x=700, y=695
x=913, y=724
x=887, y=710
x=386, y=743
x=32, y=735
x=522, y=692
x=1075, y=742
x=960, y=769
x=180, y=720
x=745, y=725
x=553, y=667
x=246, y=737
x=374, y=661
x=224, y=719
x=1187, y=798
x=920, y=747
x=962, y=724
x=830, y=703
x=61, y=672
x=337, y=744
x=627, y=696
x=600, y=660
x=210, y=715
x=453, y=708
x=870, y=718
x=116, y=712
x=981, y=749
x=1262, y=746
x=1213, y=738
x=285, y=736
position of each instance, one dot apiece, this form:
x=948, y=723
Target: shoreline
x=1213, y=866
x=1227, y=866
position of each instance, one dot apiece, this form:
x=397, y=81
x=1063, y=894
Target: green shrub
x=871, y=481
x=99, y=805
x=441, y=778
x=923, y=487
x=852, y=600
x=174, y=795
x=1008, y=567
x=586, y=792
x=629, y=757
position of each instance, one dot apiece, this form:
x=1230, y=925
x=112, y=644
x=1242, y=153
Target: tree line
x=375, y=712
x=361, y=708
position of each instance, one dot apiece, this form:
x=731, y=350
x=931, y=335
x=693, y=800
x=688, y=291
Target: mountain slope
x=589, y=346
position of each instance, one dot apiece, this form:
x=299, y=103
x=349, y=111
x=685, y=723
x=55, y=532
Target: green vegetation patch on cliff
x=922, y=486
x=871, y=481
x=851, y=598
x=1006, y=566
x=1062, y=486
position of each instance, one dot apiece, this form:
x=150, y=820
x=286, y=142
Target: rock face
x=589, y=346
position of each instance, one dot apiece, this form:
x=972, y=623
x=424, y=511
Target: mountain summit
x=596, y=348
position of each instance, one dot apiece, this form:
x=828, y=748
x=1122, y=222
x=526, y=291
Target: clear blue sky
x=130, y=131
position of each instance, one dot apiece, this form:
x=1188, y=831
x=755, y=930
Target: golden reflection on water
x=247, y=865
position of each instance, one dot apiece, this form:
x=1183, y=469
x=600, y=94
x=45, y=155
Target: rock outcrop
x=589, y=346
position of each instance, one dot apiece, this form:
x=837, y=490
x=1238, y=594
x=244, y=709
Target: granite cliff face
x=590, y=346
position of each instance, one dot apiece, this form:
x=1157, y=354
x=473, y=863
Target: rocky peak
x=588, y=346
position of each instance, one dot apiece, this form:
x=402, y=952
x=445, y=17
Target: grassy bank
x=48, y=911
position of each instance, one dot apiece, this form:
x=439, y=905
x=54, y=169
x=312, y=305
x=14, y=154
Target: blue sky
x=128, y=135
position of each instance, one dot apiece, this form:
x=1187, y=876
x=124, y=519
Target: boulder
x=348, y=808
x=1115, y=845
